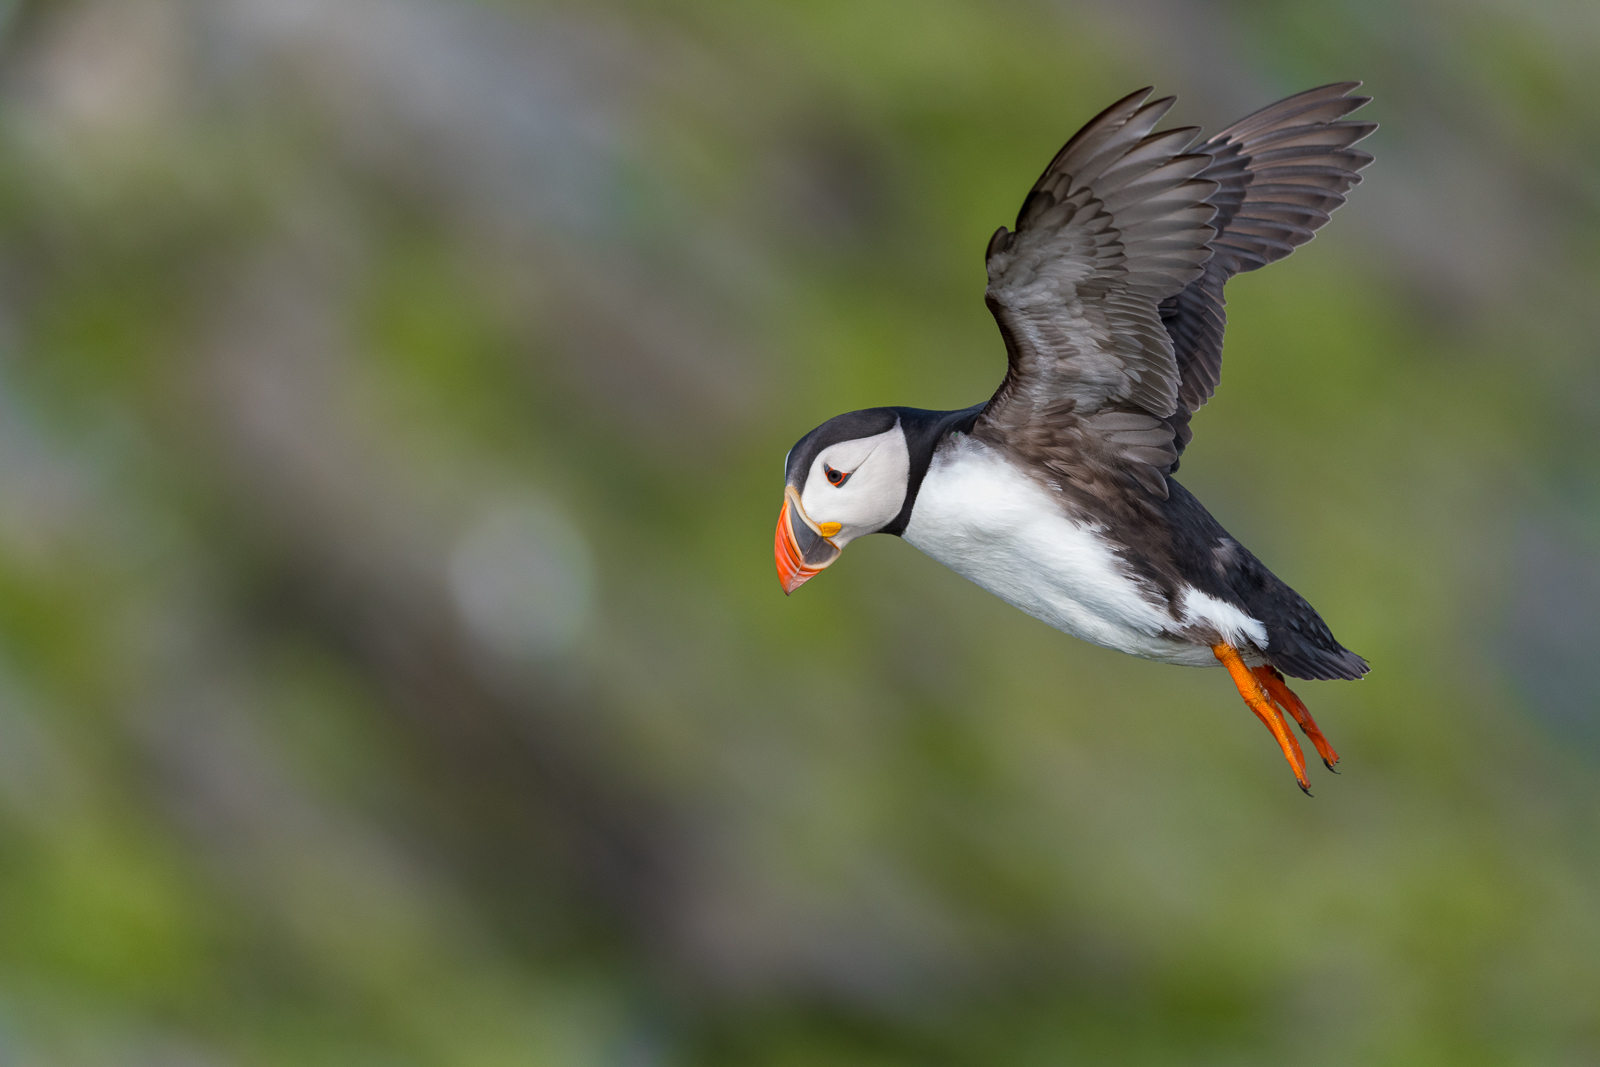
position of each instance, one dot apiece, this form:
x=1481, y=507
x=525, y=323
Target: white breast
x=990, y=523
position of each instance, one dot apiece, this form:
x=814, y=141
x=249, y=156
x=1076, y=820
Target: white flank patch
x=1235, y=627
x=990, y=523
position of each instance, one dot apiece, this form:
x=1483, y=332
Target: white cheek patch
x=848, y=456
x=879, y=469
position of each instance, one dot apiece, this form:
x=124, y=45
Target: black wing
x=1119, y=221
x=1280, y=173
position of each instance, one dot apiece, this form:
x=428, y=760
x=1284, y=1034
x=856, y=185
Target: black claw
x=1330, y=766
x=1304, y=789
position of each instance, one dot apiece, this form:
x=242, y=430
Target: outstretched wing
x=1280, y=173
x=1109, y=293
x=1119, y=222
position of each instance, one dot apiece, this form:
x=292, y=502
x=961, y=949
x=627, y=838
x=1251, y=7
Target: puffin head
x=847, y=478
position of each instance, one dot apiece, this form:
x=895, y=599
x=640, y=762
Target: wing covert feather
x=1117, y=223
x=1108, y=294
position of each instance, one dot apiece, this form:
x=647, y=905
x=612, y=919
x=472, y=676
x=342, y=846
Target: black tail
x=1299, y=643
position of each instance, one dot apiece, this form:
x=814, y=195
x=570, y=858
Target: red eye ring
x=836, y=478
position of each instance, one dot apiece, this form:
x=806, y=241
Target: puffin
x=1057, y=493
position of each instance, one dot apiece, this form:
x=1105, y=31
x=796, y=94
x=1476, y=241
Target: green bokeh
x=392, y=670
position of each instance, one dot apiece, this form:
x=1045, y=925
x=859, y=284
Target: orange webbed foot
x=1272, y=680
x=1260, y=699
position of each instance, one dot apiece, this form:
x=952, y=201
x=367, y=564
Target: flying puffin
x=1057, y=494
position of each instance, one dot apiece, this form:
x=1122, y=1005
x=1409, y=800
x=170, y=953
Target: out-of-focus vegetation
x=392, y=668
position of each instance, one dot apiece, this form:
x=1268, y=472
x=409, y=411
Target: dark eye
x=835, y=478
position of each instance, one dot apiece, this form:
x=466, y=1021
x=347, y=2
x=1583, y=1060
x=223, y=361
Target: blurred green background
x=392, y=667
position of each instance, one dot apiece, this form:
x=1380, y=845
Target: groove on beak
x=800, y=548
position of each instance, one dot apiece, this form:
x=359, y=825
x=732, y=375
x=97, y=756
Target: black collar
x=924, y=431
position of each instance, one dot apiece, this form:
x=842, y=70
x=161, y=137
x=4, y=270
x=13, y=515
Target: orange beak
x=801, y=549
